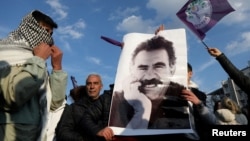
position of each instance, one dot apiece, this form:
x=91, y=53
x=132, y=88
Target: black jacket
x=239, y=78
x=96, y=117
x=201, y=95
x=68, y=128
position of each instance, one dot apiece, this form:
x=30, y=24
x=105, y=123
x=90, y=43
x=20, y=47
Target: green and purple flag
x=201, y=15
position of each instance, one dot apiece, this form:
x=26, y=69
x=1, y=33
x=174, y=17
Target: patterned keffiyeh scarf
x=18, y=46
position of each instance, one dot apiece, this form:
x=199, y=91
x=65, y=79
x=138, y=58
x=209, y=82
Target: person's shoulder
x=71, y=105
x=225, y=115
x=107, y=92
x=78, y=92
x=176, y=85
x=241, y=116
x=200, y=94
x=105, y=95
x=197, y=91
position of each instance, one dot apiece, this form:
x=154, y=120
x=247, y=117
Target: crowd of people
x=33, y=106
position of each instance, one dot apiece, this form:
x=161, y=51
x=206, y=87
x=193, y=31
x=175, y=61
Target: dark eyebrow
x=160, y=64
x=142, y=66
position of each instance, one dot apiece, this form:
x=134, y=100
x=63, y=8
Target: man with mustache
x=149, y=98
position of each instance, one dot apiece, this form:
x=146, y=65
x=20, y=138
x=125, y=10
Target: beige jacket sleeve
x=58, y=84
x=20, y=83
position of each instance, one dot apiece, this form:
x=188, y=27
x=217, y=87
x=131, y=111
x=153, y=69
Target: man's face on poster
x=151, y=69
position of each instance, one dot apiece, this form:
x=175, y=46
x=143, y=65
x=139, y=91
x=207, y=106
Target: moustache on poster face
x=151, y=82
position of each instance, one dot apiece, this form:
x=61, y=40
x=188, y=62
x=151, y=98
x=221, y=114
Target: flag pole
x=73, y=80
x=112, y=41
x=205, y=44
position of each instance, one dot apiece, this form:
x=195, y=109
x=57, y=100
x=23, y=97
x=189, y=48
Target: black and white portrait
x=150, y=76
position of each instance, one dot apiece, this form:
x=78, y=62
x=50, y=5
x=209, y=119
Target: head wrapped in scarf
x=18, y=46
x=30, y=31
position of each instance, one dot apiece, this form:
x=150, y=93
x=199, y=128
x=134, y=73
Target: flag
x=74, y=82
x=201, y=15
x=112, y=41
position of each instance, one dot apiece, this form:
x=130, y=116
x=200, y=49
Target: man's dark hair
x=78, y=92
x=156, y=43
x=39, y=16
x=190, y=68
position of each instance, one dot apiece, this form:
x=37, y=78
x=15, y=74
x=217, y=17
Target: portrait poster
x=146, y=98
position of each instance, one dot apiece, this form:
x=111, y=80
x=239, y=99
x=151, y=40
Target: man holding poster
x=147, y=100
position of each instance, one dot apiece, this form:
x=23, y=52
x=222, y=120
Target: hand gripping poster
x=152, y=71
